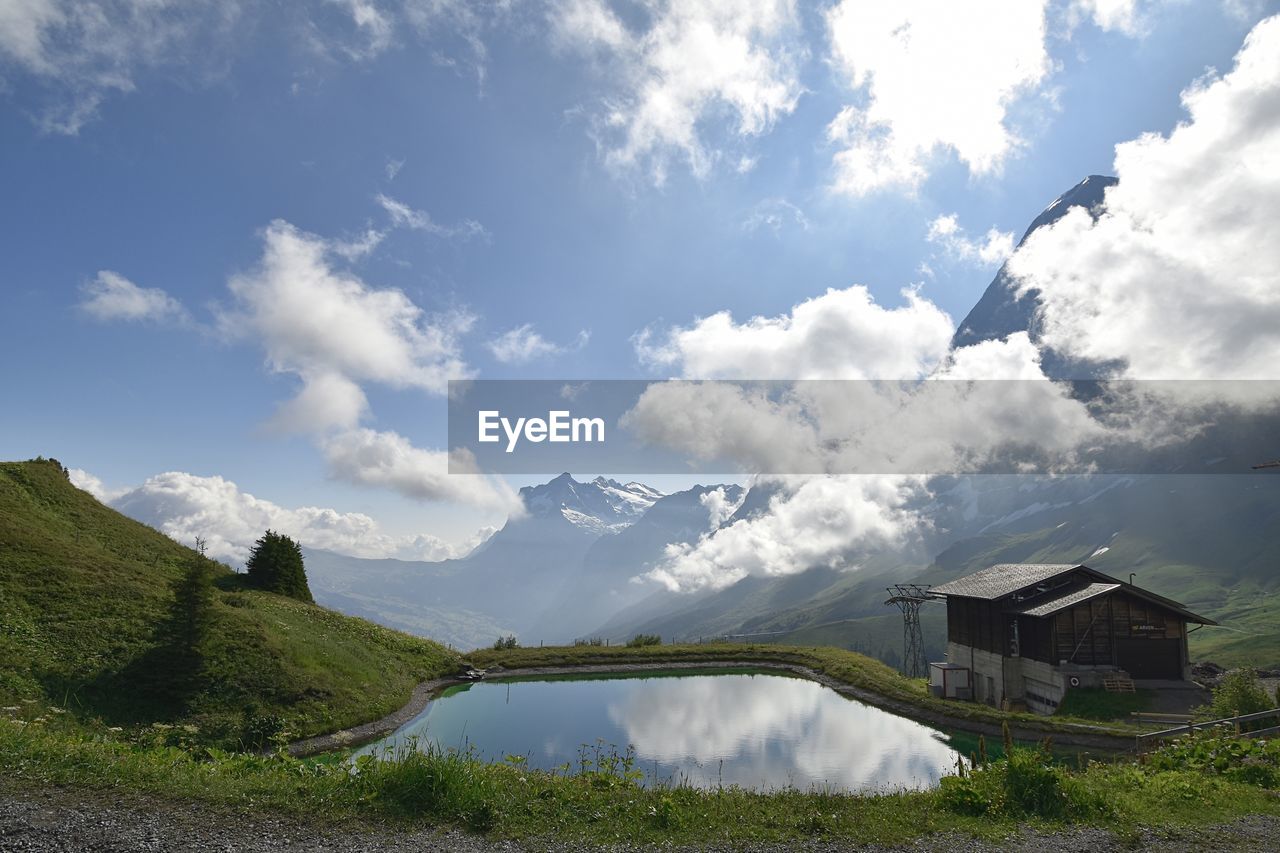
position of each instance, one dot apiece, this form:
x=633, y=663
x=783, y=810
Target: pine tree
x=276, y=566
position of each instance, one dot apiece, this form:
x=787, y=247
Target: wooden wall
x=1085, y=634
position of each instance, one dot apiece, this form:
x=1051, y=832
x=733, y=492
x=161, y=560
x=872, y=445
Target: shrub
x=1025, y=783
x=1239, y=692
x=644, y=640
x=1249, y=760
x=508, y=642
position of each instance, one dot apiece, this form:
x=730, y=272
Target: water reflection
x=755, y=730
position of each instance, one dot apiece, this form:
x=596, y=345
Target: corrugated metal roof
x=1065, y=597
x=1003, y=579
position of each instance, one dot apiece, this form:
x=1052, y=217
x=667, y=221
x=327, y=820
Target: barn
x=1027, y=632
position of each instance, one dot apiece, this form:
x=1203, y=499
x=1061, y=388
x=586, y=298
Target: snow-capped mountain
x=600, y=506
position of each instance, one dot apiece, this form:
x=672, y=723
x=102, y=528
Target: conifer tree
x=276, y=566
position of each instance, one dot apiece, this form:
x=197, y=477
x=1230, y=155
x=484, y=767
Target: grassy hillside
x=84, y=592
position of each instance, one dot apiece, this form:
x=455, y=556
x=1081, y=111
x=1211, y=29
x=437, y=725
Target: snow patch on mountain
x=600, y=506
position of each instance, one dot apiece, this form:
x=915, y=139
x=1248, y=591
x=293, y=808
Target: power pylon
x=908, y=597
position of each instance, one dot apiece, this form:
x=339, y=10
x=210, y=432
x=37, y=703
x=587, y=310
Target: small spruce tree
x=276, y=566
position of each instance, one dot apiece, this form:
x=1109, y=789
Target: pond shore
x=1063, y=734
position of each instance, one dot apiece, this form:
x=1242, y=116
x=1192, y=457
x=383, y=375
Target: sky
x=245, y=245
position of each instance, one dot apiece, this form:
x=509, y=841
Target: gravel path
x=59, y=821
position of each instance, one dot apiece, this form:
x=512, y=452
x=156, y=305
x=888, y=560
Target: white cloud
x=775, y=214
x=441, y=21
x=392, y=168
x=404, y=216
x=357, y=247
x=375, y=27
x=85, y=481
x=843, y=334
x=1177, y=278
x=335, y=331
x=388, y=460
x=185, y=506
x=822, y=521
x=935, y=78
x=78, y=52
x=990, y=251
x=111, y=296
x=523, y=344
x=326, y=400
x=691, y=63
x=720, y=508
x=1120, y=15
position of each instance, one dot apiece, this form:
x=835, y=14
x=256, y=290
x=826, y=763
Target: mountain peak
x=1002, y=310
x=599, y=506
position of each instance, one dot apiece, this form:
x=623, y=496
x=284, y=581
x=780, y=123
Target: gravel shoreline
x=60, y=820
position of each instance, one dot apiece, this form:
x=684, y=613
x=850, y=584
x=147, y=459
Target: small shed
x=1030, y=631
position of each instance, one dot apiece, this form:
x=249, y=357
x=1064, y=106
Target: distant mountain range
x=554, y=573
x=566, y=568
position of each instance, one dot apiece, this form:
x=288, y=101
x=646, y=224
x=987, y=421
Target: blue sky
x=500, y=134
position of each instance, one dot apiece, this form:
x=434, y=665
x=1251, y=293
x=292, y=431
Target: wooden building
x=1030, y=632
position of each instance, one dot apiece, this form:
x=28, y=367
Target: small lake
x=758, y=730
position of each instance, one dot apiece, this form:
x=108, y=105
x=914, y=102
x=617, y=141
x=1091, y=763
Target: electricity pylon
x=908, y=597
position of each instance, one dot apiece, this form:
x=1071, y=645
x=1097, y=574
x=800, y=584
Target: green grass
x=83, y=590
x=1098, y=704
x=602, y=803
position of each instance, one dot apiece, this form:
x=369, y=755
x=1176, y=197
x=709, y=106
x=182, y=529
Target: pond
x=757, y=729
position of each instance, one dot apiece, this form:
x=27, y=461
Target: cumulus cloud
x=824, y=521
x=111, y=296
x=843, y=334
x=334, y=331
x=523, y=344
x=720, y=507
x=185, y=506
x=389, y=460
x=689, y=63
x=1176, y=279
x=935, y=79
x=992, y=250
x=85, y=481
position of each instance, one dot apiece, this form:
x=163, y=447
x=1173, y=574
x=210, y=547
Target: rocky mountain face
x=1001, y=311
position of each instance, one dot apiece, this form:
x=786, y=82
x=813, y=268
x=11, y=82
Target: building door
x=1150, y=658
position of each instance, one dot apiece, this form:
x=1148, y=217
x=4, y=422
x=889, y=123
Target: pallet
x=1117, y=683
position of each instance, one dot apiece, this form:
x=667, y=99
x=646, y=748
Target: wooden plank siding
x=1085, y=634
